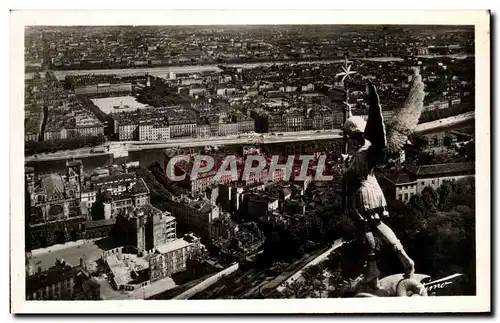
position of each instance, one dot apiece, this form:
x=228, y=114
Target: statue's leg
x=371, y=273
x=390, y=237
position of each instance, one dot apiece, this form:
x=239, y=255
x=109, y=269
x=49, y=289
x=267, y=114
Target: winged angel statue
x=375, y=141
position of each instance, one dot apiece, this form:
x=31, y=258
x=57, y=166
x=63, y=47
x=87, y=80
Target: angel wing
x=406, y=117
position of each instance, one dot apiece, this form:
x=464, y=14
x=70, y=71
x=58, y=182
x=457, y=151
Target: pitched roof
x=400, y=177
x=100, y=223
x=172, y=245
x=448, y=168
x=53, y=185
x=112, y=178
x=202, y=206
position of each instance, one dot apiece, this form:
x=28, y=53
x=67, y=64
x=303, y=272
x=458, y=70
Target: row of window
x=123, y=203
x=423, y=183
x=53, y=291
x=89, y=199
x=432, y=181
x=405, y=197
x=113, y=182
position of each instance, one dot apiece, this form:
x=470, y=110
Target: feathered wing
x=406, y=117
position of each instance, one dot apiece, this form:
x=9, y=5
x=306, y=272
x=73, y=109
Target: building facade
x=145, y=227
x=62, y=282
x=276, y=123
x=90, y=130
x=127, y=131
x=88, y=197
x=195, y=215
x=182, y=129
x=203, y=131
x=154, y=132
x=260, y=205
x=404, y=184
x=228, y=129
x=294, y=122
x=246, y=125
x=53, y=206
x=60, y=207
x=171, y=257
x=401, y=185
x=435, y=175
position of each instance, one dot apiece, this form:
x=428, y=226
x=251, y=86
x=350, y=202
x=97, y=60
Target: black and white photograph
x=251, y=163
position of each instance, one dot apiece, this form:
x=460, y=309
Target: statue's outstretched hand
x=345, y=157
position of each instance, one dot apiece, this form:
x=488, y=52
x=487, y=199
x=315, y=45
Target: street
x=252, y=282
x=298, y=275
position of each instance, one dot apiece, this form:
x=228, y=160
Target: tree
x=342, y=226
x=297, y=289
x=159, y=195
x=97, y=209
x=444, y=192
x=469, y=151
x=437, y=230
x=312, y=283
x=279, y=267
x=315, y=228
x=34, y=147
x=447, y=141
x=314, y=272
x=272, y=246
x=430, y=198
x=296, y=239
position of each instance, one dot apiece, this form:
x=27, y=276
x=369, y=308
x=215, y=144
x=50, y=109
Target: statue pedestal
x=396, y=285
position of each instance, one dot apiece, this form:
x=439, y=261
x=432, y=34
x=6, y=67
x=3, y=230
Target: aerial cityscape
x=216, y=162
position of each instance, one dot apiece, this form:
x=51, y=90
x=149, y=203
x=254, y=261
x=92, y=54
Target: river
x=164, y=70
x=146, y=157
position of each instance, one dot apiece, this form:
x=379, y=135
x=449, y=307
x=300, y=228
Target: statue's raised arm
x=375, y=128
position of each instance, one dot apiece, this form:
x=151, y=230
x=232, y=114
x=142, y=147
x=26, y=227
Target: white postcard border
x=481, y=21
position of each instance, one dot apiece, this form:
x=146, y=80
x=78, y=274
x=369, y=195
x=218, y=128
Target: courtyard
x=119, y=104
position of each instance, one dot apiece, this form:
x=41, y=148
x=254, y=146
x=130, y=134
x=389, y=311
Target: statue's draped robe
x=364, y=196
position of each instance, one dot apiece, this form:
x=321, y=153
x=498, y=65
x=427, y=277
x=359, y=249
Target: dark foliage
x=437, y=229
x=160, y=96
x=159, y=196
x=38, y=147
